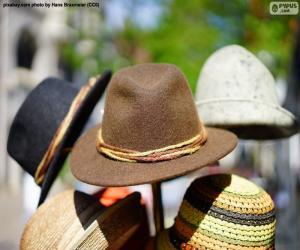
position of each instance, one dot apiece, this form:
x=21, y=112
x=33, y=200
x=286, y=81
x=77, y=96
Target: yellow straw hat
x=222, y=212
x=74, y=220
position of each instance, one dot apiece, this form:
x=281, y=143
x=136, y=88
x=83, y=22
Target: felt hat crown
x=150, y=131
x=236, y=91
x=75, y=220
x=55, y=108
x=222, y=211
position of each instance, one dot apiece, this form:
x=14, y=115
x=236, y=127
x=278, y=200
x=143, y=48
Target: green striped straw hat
x=222, y=211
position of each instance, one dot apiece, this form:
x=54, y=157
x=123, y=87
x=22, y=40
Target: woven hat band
x=60, y=132
x=162, y=154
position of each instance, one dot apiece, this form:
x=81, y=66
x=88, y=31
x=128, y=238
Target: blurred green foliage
x=185, y=33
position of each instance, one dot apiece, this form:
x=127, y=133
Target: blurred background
x=76, y=43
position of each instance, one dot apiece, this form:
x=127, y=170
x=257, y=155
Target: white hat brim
x=249, y=119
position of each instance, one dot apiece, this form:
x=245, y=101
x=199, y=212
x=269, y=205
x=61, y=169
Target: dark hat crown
x=37, y=121
x=149, y=106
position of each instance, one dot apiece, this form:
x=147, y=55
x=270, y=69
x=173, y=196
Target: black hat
x=48, y=123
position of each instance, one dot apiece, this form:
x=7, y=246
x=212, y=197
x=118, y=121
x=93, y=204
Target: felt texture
x=89, y=166
x=281, y=125
x=69, y=216
x=75, y=130
x=39, y=118
x=147, y=106
x=236, y=91
x=37, y=121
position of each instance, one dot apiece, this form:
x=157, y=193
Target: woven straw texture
x=46, y=228
x=74, y=220
x=222, y=212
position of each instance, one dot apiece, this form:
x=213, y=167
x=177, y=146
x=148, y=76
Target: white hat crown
x=233, y=72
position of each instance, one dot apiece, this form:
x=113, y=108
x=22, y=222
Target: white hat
x=236, y=91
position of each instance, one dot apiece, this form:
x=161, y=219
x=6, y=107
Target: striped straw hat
x=222, y=212
x=74, y=220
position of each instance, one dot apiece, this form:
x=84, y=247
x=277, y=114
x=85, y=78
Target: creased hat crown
x=234, y=72
x=149, y=106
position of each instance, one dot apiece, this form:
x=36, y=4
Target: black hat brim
x=73, y=132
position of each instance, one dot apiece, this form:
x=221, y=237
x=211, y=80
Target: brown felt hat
x=75, y=220
x=148, y=107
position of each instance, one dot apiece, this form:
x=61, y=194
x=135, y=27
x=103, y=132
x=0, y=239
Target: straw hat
x=150, y=131
x=74, y=220
x=48, y=123
x=236, y=91
x=222, y=212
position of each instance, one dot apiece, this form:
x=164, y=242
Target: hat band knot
x=60, y=132
x=162, y=154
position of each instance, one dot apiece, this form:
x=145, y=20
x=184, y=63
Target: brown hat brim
x=90, y=166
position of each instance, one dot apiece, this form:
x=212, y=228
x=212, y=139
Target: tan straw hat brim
x=90, y=166
x=74, y=220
